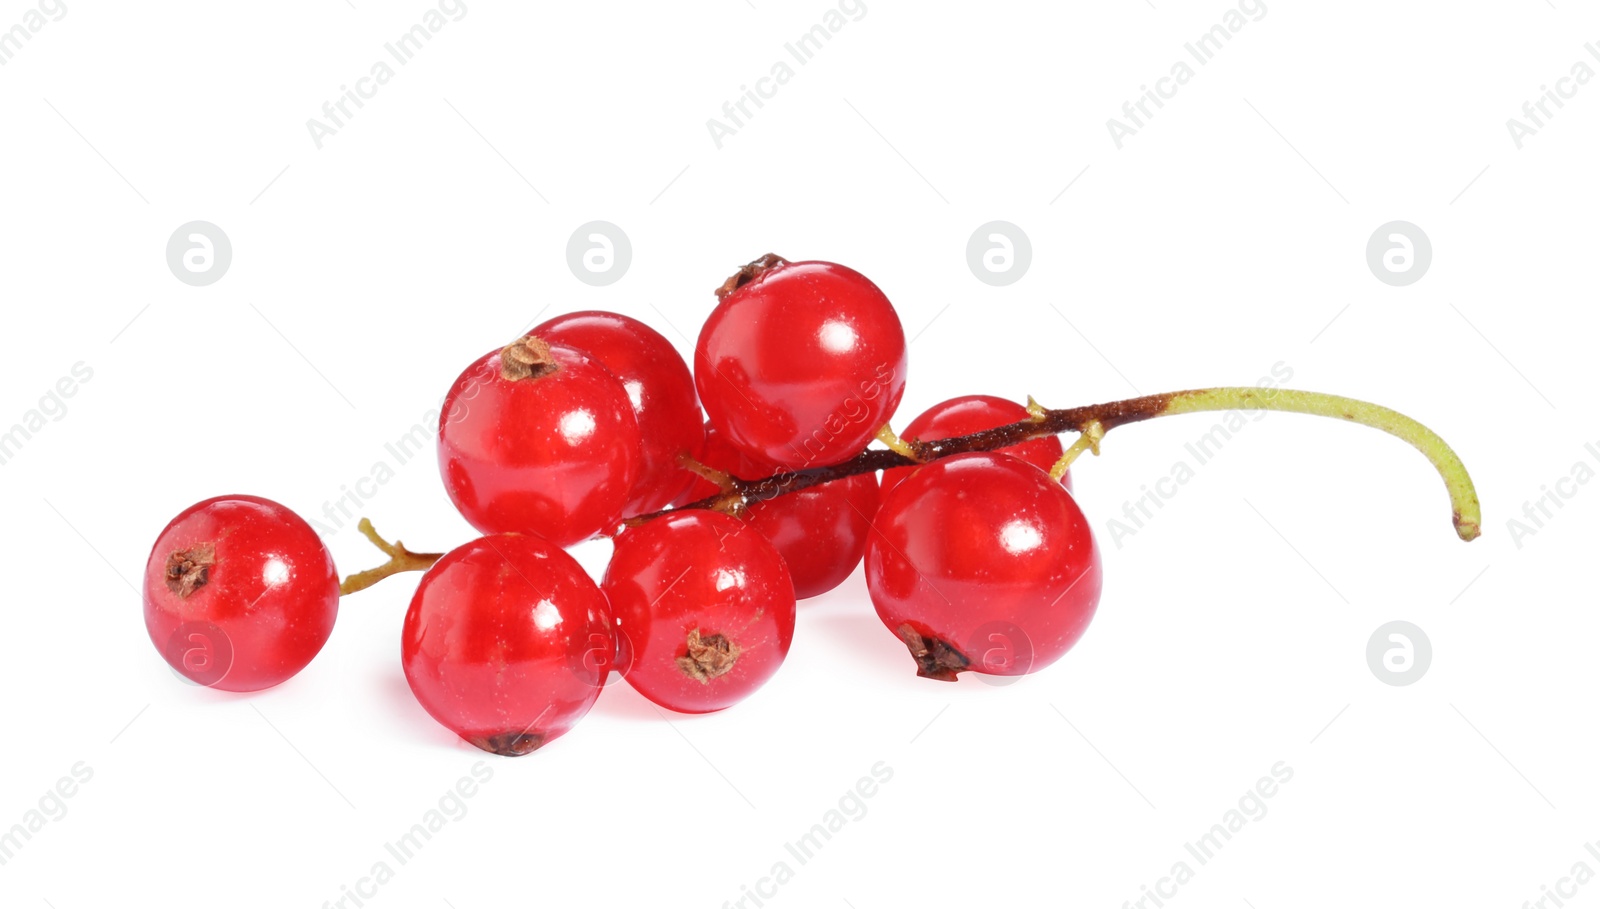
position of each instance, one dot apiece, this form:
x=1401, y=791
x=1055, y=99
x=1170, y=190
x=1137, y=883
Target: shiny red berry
x=981, y=562
x=975, y=413
x=539, y=438
x=239, y=593
x=801, y=363
x=507, y=642
x=704, y=609
x=659, y=386
x=820, y=531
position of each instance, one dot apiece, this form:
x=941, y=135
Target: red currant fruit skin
x=980, y=561
x=507, y=642
x=239, y=593
x=801, y=366
x=975, y=413
x=557, y=454
x=704, y=607
x=821, y=532
x=659, y=386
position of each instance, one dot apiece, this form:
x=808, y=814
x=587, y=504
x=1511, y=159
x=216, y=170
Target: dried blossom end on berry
x=935, y=658
x=188, y=570
x=526, y=358
x=709, y=656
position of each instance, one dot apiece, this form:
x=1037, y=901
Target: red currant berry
x=820, y=531
x=539, y=439
x=981, y=562
x=704, y=609
x=239, y=593
x=801, y=363
x=975, y=413
x=507, y=642
x=659, y=386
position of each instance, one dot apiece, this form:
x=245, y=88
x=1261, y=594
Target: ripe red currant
x=507, y=642
x=239, y=593
x=820, y=531
x=981, y=562
x=539, y=438
x=659, y=386
x=704, y=609
x=975, y=413
x=801, y=363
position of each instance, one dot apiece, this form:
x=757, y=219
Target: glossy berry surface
x=659, y=386
x=975, y=413
x=821, y=531
x=982, y=562
x=539, y=439
x=507, y=642
x=704, y=608
x=801, y=364
x=239, y=593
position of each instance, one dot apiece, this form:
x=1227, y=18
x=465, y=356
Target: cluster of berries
x=592, y=424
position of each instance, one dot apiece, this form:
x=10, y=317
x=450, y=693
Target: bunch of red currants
x=591, y=425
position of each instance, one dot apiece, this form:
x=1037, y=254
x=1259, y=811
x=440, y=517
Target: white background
x=1226, y=236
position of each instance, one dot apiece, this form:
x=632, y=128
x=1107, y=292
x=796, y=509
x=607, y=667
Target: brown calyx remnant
x=708, y=656
x=526, y=358
x=749, y=273
x=188, y=570
x=935, y=658
x=509, y=744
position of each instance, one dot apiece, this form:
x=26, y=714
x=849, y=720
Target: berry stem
x=1092, y=422
x=1098, y=419
x=1088, y=440
x=400, y=559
